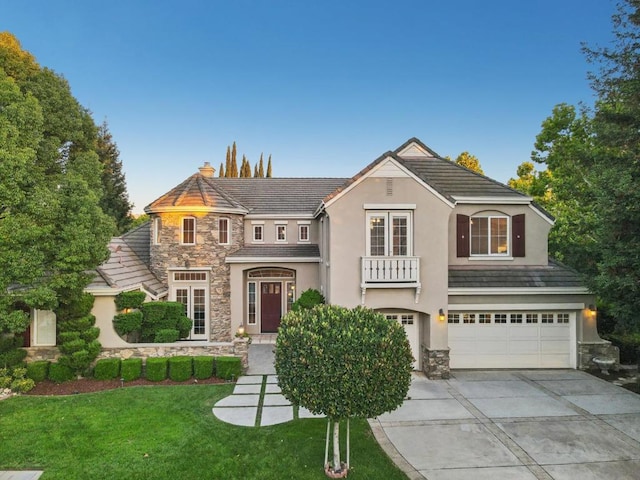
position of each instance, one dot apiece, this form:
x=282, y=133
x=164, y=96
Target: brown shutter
x=517, y=235
x=462, y=234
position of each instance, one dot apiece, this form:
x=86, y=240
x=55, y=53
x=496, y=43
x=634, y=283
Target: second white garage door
x=512, y=340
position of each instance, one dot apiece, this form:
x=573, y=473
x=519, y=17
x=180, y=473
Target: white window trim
x=156, y=230
x=284, y=227
x=39, y=317
x=225, y=219
x=302, y=226
x=388, y=231
x=195, y=230
x=254, y=227
x=486, y=256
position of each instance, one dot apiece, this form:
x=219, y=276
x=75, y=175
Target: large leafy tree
x=469, y=161
x=52, y=228
x=593, y=162
x=342, y=363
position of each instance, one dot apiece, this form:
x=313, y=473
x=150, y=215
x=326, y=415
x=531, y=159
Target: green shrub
x=126, y=323
x=160, y=316
x=77, y=324
x=184, y=326
x=629, y=345
x=38, y=370
x=130, y=300
x=12, y=357
x=5, y=381
x=156, y=369
x=131, y=369
x=203, y=367
x=180, y=368
x=107, y=369
x=65, y=337
x=228, y=368
x=22, y=385
x=90, y=334
x=80, y=306
x=73, y=346
x=60, y=373
x=166, y=335
x=93, y=348
x=307, y=300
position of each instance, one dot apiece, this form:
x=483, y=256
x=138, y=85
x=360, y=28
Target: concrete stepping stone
x=276, y=415
x=242, y=416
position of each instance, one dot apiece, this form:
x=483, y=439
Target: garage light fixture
x=441, y=315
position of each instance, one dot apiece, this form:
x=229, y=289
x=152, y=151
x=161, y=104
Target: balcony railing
x=391, y=271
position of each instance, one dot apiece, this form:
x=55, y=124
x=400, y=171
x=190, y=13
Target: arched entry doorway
x=270, y=293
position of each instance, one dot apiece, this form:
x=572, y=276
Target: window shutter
x=462, y=234
x=517, y=235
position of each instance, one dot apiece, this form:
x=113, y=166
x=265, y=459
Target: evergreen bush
x=203, y=367
x=166, y=335
x=130, y=300
x=131, y=369
x=126, y=323
x=59, y=373
x=180, y=368
x=307, y=300
x=107, y=369
x=228, y=368
x=156, y=369
x=38, y=370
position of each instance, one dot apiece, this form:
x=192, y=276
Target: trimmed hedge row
x=178, y=369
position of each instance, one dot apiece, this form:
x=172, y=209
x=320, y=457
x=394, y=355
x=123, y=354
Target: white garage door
x=512, y=340
x=410, y=324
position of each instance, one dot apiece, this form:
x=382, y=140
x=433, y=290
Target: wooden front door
x=270, y=306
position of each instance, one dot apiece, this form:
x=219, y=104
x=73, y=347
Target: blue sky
x=325, y=87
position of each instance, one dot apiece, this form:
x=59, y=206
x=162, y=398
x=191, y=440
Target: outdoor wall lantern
x=241, y=330
x=441, y=315
x=592, y=310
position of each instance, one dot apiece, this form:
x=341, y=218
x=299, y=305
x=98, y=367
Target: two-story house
x=460, y=260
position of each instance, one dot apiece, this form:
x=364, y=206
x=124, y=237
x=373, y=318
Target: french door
x=195, y=301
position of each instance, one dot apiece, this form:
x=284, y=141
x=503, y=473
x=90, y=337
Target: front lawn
x=167, y=433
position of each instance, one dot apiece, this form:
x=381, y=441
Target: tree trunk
x=337, y=467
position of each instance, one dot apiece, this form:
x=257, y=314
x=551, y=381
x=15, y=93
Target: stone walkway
x=20, y=475
x=257, y=402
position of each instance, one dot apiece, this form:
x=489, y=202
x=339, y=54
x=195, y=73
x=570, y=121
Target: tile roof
x=139, y=240
x=124, y=269
x=553, y=275
x=278, y=251
x=285, y=196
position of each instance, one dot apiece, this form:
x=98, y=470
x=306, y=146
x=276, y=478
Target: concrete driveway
x=525, y=424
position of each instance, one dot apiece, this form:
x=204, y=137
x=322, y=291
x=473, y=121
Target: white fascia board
x=190, y=269
x=493, y=200
x=389, y=206
x=519, y=291
x=376, y=168
x=279, y=216
x=273, y=260
x=490, y=307
x=112, y=292
x=199, y=209
x=542, y=215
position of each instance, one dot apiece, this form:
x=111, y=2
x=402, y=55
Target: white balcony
x=390, y=272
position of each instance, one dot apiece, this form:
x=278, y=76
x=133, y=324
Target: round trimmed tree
x=342, y=363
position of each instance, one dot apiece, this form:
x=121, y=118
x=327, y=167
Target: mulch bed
x=89, y=385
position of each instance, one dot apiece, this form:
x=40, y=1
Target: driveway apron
x=490, y=424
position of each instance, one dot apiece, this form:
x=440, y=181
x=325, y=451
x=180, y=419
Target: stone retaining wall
x=238, y=348
x=603, y=348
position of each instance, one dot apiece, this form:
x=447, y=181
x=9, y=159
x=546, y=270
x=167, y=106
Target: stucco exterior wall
x=536, y=235
x=269, y=230
x=349, y=230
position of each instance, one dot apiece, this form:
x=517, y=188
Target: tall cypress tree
x=269, y=167
x=227, y=168
x=115, y=200
x=261, y=167
x=221, y=171
x=255, y=171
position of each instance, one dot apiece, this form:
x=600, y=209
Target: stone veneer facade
x=238, y=348
x=587, y=351
x=435, y=363
x=206, y=253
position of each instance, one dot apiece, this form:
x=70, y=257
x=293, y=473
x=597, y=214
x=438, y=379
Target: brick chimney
x=207, y=170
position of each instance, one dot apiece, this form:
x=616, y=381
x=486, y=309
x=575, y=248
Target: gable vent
x=389, y=187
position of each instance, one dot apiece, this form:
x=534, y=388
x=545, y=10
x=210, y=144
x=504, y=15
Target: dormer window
x=188, y=231
x=499, y=236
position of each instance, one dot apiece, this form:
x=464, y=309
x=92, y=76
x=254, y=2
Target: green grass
x=167, y=433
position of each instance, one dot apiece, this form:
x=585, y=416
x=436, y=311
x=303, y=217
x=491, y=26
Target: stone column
x=435, y=363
